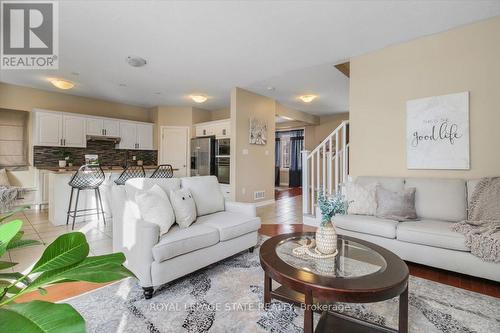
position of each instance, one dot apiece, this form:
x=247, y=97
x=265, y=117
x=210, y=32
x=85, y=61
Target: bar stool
x=163, y=171
x=88, y=177
x=132, y=171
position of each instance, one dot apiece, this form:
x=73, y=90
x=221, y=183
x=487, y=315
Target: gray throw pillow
x=399, y=206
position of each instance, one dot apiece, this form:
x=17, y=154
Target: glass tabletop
x=353, y=259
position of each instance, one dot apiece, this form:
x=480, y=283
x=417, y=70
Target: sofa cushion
x=439, y=199
x=180, y=241
x=132, y=186
x=155, y=208
x=394, y=184
x=367, y=224
x=433, y=233
x=206, y=194
x=398, y=206
x=230, y=225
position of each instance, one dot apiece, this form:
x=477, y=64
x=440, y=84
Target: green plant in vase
x=329, y=205
x=64, y=260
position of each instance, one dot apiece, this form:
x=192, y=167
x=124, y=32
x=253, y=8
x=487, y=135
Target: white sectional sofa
x=439, y=203
x=157, y=260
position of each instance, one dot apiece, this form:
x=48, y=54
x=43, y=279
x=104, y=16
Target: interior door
x=145, y=136
x=111, y=127
x=74, y=131
x=174, y=149
x=49, y=129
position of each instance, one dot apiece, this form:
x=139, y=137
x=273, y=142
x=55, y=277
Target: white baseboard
x=264, y=203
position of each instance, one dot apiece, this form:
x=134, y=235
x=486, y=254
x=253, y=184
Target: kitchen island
x=59, y=193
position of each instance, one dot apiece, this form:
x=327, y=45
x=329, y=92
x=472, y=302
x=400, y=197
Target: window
x=13, y=138
x=285, y=152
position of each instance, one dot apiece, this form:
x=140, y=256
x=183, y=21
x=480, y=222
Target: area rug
x=227, y=297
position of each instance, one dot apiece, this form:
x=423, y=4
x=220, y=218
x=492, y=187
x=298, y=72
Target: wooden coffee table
x=362, y=272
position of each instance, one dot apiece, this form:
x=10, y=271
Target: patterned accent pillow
x=399, y=206
x=362, y=198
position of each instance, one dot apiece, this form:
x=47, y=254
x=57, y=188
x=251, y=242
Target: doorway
x=288, y=162
x=174, y=148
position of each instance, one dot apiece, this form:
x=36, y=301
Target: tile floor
x=287, y=210
x=38, y=227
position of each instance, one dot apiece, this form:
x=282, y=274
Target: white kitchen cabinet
x=56, y=129
x=103, y=127
x=74, y=134
x=48, y=129
x=219, y=129
x=128, y=135
x=144, y=136
x=111, y=127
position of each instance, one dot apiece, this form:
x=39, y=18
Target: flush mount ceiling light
x=307, y=98
x=198, y=98
x=61, y=84
x=136, y=61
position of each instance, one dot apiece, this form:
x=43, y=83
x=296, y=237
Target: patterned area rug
x=227, y=297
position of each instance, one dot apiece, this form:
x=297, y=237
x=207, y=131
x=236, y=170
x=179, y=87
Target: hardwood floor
x=285, y=217
x=288, y=193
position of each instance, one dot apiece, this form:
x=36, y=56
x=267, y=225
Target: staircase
x=325, y=168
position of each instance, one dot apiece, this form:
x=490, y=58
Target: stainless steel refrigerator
x=203, y=156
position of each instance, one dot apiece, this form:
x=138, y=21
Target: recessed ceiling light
x=271, y=88
x=136, y=61
x=198, y=98
x=61, y=84
x=307, y=98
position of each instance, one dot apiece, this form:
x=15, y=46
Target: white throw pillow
x=4, y=180
x=155, y=208
x=184, y=207
x=206, y=193
x=362, y=198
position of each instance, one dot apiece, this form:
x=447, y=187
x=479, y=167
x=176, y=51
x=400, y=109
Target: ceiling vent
x=136, y=61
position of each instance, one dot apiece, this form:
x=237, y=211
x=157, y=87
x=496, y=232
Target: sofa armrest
x=138, y=241
x=244, y=208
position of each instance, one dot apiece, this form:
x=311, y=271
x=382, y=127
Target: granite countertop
x=75, y=168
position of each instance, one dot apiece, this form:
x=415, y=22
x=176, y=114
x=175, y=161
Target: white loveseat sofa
x=157, y=260
x=439, y=203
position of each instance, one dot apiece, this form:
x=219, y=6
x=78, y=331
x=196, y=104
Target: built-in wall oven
x=222, y=158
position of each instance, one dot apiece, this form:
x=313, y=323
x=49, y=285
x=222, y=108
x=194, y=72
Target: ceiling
x=209, y=47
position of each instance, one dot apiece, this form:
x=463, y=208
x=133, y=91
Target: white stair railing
x=325, y=168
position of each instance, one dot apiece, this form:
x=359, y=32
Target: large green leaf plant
x=65, y=259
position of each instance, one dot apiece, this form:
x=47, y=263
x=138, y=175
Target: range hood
x=103, y=138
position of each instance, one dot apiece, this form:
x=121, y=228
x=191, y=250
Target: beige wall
x=255, y=171
x=463, y=59
x=220, y=114
x=22, y=98
x=296, y=115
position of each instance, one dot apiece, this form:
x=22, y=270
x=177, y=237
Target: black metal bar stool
x=163, y=171
x=88, y=177
x=131, y=171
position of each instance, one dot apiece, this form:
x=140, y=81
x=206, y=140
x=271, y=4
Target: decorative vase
x=326, y=238
x=62, y=163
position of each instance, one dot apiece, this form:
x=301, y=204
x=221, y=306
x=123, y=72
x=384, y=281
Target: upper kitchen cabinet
x=56, y=129
x=136, y=135
x=219, y=128
x=103, y=127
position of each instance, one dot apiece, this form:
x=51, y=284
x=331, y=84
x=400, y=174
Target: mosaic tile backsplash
x=108, y=155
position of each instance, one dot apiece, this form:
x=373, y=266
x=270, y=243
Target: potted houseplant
x=64, y=260
x=329, y=205
x=65, y=157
